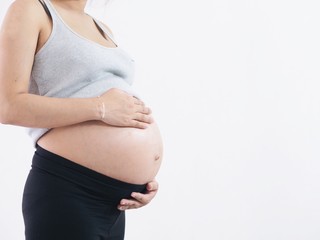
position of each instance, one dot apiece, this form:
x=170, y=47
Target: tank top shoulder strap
x=60, y=26
x=44, y=5
x=50, y=10
x=104, y=29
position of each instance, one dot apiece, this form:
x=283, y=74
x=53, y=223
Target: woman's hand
x=140, y=200
x=124, y=110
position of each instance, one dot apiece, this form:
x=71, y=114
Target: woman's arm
x=18, y=43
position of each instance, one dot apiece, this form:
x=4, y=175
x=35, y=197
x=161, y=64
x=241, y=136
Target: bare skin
x=26, y=28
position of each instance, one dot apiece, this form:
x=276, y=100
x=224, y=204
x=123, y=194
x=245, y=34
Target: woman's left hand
x=140, y=199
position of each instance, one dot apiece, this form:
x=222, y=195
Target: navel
x=157, y=157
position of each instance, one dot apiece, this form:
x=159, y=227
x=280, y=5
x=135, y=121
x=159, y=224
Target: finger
x=144, y=110
x=138, y=102
x=143, y=118
x=129, y=204
x=153, y=186
x=138, y=124
x=143, y=198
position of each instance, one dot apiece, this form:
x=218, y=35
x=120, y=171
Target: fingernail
x=133, y=195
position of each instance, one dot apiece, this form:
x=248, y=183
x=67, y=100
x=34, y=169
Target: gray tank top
x=71, y=66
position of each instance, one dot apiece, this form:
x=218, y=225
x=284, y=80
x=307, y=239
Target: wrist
x=101, y=109
x=94, y=108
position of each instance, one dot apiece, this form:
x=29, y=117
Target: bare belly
x=128, y=154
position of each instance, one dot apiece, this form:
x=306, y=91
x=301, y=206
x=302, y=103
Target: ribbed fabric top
x=72, y=66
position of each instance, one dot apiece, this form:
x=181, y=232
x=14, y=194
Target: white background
x=234, y=86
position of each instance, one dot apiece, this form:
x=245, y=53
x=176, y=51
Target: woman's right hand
x=124, y=110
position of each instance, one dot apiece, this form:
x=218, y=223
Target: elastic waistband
x=80, y=175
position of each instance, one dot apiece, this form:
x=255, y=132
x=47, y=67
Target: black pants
x=63, y=200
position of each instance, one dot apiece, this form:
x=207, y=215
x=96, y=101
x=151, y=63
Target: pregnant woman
x=98, y=149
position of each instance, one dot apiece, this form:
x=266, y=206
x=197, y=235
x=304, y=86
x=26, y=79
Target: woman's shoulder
x=22, y=24
x=26, y=5
x=27, y=11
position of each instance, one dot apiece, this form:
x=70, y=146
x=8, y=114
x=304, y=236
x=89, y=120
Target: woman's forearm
x=30, y=110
